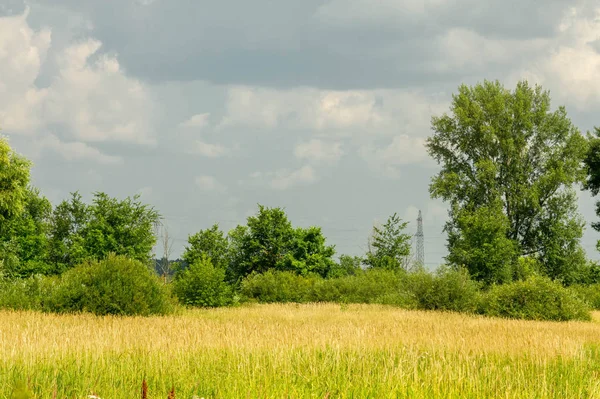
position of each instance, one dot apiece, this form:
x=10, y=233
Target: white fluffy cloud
x=302, y=108
x=93, y=101
x=570, y=65
x=22, y=53
x=317, y=150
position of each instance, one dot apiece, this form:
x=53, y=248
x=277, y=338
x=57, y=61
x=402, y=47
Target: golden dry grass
x=299, y=351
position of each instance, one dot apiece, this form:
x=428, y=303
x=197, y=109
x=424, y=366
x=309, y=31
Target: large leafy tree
x=507, y=151
x=14, y=181
x=592, y=163
x=269, y=241
x=24, y=237
x=81, y=231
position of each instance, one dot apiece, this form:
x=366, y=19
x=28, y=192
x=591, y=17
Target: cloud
x=209, y=183
x=77, y=151
x=327, y=111
x=403, y=150
x=92, y=101
x=570, y=68
x=209, y=150
x=317, y=150
x=284, y=178
x=196, y=121
x=22, y=53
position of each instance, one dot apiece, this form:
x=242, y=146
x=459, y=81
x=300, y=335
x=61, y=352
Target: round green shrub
x=448, y=289
x=114, y=286
x=537, y=298
x=279, y=286
x=203, y=285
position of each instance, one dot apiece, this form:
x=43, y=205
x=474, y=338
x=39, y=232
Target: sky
x=322, y=107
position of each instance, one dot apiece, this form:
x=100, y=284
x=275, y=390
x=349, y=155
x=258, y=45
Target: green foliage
x=537, y=298
x=526, y=267
x=116, y=285
x=308, y=254
x=375, y=285
x=82, y=232
x=509, y=148
x=278, y=286
x=24, y=294
x=14, y=181
x=270, y=242
x=448, y=289
x=592, y=163
x=212, y=243
x=390, y=246
x=202, y=284
x=23, y=238
x=480, y=243
x=347, y=266
x=588, y=293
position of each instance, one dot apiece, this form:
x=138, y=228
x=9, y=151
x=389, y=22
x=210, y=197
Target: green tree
x=202, y=284
x=270, y=242
x=86, y=232
x=308, y=253
x=24, y=237
x=480, y=243
x=507, y=147
x=389, y=247
x=592, y=163
x=66, y=239
x=212, y=243
x=14, y=181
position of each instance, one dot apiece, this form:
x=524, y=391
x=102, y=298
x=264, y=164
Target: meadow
x=293, y=351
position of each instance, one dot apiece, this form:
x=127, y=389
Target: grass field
x=308, y=351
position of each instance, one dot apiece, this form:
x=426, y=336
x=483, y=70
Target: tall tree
x=107, y=225
x=508, y=151
x=24, y=237
x=269, y=241
x=14, y=181
x=592, y=163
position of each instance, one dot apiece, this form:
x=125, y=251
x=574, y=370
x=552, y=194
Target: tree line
x=509, y=169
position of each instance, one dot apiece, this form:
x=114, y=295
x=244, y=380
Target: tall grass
x=280, y=351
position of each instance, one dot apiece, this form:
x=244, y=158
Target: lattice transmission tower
x=420, y=242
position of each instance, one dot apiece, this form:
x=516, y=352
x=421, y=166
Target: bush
x=537, y=298
x=116, y=285
x=278, y=286
x=377, y=286
x=203, y=285
x=347, y=266
x=590, y=294
x=24, y=294
x=447, y=289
